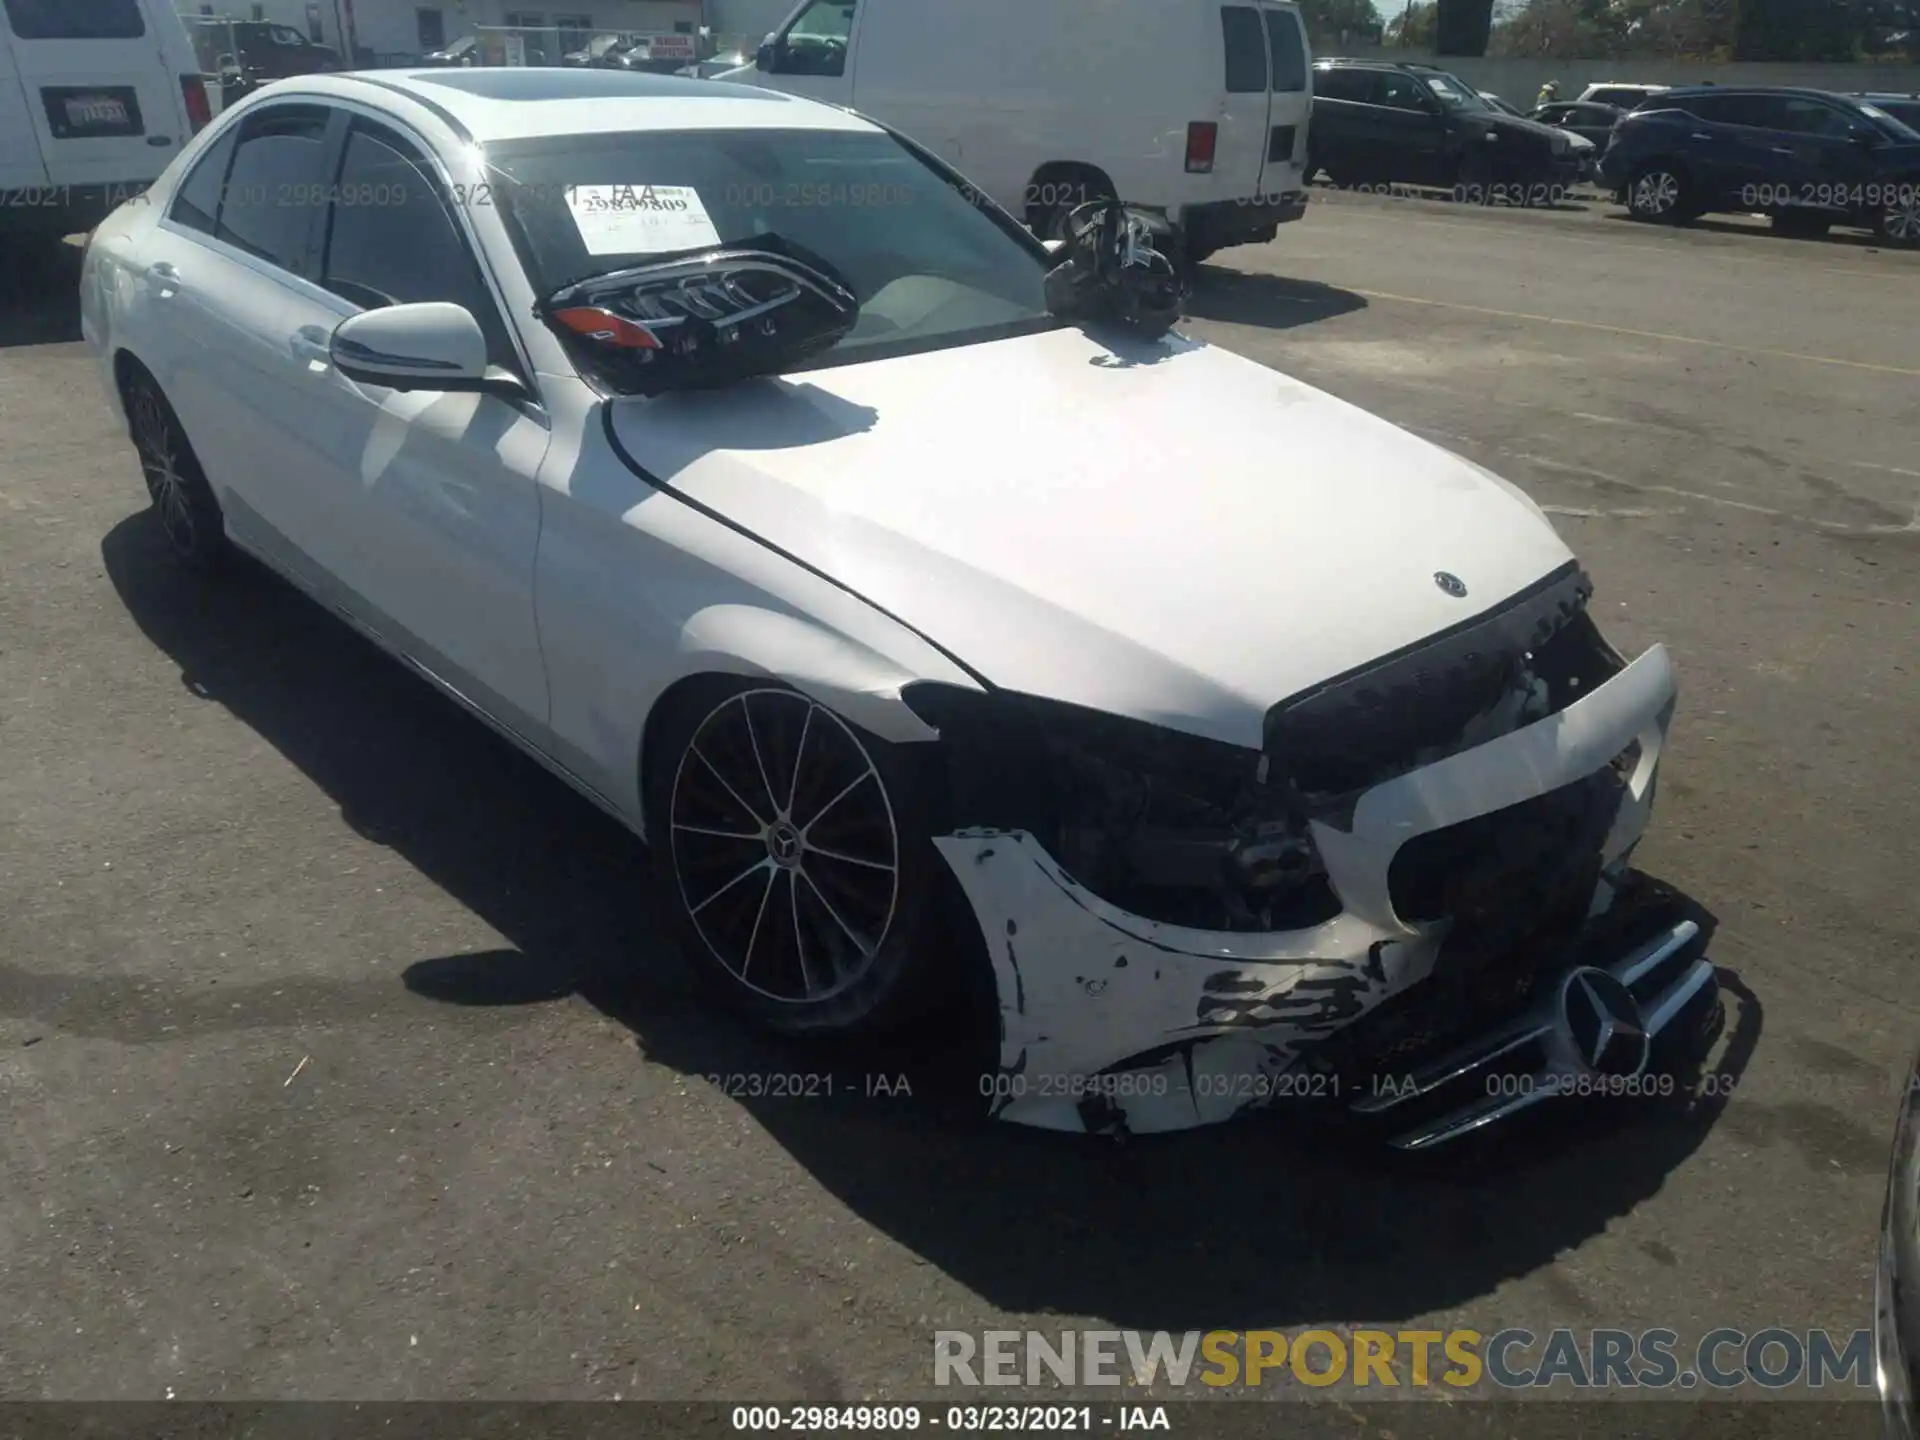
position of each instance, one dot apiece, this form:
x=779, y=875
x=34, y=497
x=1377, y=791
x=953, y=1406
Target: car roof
x=528, y=102
x=1683, y=92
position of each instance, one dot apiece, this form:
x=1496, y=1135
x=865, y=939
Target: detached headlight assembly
x=1159, y=823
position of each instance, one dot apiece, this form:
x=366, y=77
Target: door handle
x=162, y=278
x=1699, y=135
x=312, y=342
x=1784, y=150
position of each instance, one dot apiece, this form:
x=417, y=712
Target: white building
x=395, y=29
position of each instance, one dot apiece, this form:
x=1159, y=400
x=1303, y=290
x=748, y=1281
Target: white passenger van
x=96, y=98
x=1198, y=110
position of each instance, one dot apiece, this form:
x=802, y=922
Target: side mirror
x=1866, y=139
x=764, y=57
x=432, y=346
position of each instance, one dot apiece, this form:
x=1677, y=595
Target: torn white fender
x=1215, y=1017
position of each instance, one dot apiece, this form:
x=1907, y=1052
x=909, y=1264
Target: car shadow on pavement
x=1265, y=1222
x=1756, y=227
x=1272, y=302
x=39, y=293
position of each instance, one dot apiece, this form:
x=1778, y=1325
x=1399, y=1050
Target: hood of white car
x=1176, y=534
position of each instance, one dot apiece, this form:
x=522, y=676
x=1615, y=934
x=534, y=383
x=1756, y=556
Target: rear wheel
x=797, y=860
x=183, y=501
x=1661, y=193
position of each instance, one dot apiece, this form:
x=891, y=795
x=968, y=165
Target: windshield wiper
x=704, y=318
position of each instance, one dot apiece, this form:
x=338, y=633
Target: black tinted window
x=1340, y=84
x=275, y=185
x=1397, y=91
x=196, y=204
x=392, y=241
x=1287, y=51
x=1715, y=108
x=76, y=19
x=1246, y=49
x=1812, y=117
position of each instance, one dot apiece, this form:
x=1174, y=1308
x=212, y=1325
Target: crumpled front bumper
x=1113, y=1022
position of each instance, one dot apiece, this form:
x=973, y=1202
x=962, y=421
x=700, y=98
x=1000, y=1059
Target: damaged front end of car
x=1413, y=901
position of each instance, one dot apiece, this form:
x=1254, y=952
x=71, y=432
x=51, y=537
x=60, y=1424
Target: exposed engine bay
x=1167, y=913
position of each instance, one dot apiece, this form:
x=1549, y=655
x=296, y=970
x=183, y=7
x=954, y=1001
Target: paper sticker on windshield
x=640, y=219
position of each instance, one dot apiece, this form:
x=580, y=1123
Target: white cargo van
x=1198, y=110
x=96, y=98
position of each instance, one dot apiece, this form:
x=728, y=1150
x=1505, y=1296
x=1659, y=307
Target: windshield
x=930, y=267
x=1455, y=93
x=1895, y=126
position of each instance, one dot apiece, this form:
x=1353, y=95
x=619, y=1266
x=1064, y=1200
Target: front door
x=813, y=53
x=101, y=100
x=423, y=503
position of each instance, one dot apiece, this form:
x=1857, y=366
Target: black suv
x=1375, y=122
x=273, y=52
x=1807, y=158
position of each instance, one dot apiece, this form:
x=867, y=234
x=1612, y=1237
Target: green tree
x=1413, y=27
x=1341, y=22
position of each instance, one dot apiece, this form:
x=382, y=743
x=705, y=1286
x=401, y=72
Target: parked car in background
x=718, y=65
x=95, y=100
x=637, y=57
x=595, y=51
x=1379, y=122
x=1904, y=108
x=1806, y=158
x=1896, y=1286
x=267, y=52
x=1582, y=117
x=464, y=51
x=1196, y=112
x=1607, y=92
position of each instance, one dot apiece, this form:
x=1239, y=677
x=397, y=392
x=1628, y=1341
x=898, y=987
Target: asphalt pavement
x=340, y=1056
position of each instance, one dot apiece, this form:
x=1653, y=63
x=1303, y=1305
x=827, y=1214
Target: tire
x=792, y=850
x=183, y=501
x=1801, y=225
x=1661, y=194
x=1899, y=226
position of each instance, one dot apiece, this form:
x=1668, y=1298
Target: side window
x=816, y=42
x=275, y=185
x=1332, y=84
x=1399, y=92
x=196, y=204
x=1287, y=50
x=1714, y=109
x=391, y=239
x=1811, y=117
x=75, y=19
x=1246, y=50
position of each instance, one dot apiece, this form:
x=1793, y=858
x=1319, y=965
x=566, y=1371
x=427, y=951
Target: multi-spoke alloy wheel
x=1900, y=223
x=1657, y=193
x=183, y=502
x=785, y=846
x=159, y=461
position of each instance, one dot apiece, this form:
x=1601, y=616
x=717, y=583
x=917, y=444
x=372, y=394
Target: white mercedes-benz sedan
x=728, y=454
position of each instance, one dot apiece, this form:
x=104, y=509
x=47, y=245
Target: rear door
x=104, y=105
x=1240, y=145
x=1289, y=99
